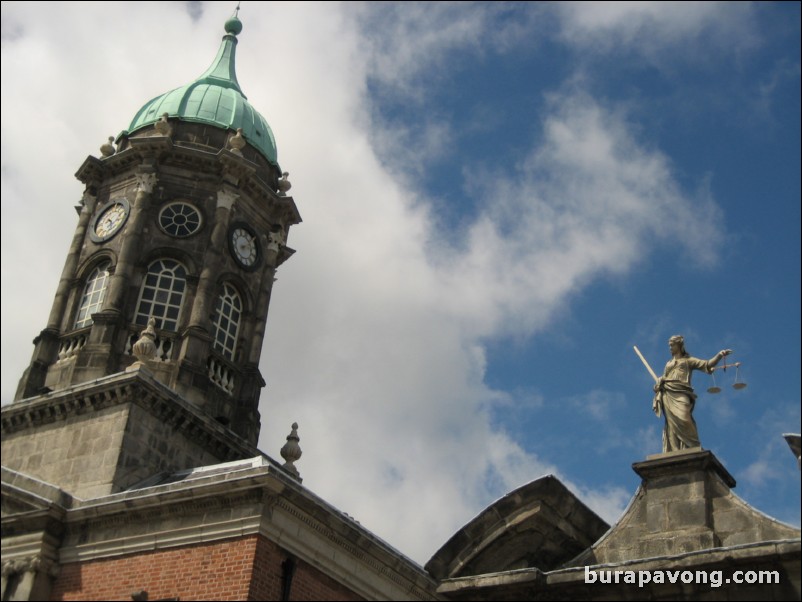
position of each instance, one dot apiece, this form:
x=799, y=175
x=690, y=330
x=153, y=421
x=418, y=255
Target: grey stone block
x=656, y=518
x=688, y=514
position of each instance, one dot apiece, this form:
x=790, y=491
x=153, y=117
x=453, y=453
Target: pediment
x=684, y=505
x=539, y=525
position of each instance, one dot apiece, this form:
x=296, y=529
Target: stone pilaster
x=203, y=306
x=71, y=263
x=131, y=245
x=47, y=343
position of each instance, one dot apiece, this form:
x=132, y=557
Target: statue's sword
x=657, y=404
x=645, y=363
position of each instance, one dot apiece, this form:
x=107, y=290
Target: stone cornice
x=730, y=557
x=92, y=170
x=680, y=462
x=327, y=546
x=223, y=162
x=137, y=387
x=258, y=500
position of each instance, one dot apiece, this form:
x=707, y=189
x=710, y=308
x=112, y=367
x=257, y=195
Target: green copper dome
x=214, y=98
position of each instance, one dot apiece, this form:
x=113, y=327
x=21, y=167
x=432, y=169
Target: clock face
x=109, y=220
x=244, y=247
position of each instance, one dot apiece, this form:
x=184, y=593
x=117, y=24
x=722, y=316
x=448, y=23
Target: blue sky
x=499, y=201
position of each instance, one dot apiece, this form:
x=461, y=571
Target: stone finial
x=291, y=452
x=145, y=348
x=107, y=149
x=163, y=125
x=237, y=142
x=284, y=184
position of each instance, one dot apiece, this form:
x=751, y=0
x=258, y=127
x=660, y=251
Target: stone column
x=130, y=249
x=197, y=337
x=246, y=420
x=71, y=264
x=46, y=344
x=274, y=244
x=212, y=263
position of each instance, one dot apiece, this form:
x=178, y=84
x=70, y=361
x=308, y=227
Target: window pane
x=94, y=293
x=227, y=320
x=164, y=284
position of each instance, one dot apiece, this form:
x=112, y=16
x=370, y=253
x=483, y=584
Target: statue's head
x=677, y=345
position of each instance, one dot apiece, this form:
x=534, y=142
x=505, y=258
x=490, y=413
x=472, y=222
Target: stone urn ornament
x=145, y=348
x=291, y=452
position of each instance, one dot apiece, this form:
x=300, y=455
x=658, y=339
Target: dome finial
x=230, y=108
x=234, y=25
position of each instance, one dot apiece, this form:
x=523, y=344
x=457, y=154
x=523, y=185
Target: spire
x=223, y=70
x=214, y=98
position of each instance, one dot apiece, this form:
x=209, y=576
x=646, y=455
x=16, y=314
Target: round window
x=180, y=219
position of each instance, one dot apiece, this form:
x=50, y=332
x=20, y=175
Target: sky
x=499, y=201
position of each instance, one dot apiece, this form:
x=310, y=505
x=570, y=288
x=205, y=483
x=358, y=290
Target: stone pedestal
x=684, y=504
x=679, y=489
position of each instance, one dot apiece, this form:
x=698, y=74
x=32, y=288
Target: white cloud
x=386, y=377
x=653, y=28
x=375, y=335
x=414, y=40
x=609, y=503
x=589, y=200
x=774, y=455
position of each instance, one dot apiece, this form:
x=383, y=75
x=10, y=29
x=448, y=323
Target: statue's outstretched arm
x=718, y=357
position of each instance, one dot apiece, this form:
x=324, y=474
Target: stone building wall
x=79, y=453
x=151, y=445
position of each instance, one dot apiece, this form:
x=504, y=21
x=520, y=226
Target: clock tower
x=183, y=222
x=130, y=460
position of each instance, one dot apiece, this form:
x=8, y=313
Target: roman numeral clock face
x=109, y=220
x=244, y=246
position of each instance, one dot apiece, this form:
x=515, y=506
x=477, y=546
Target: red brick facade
x=249, y=568
x=307, y=583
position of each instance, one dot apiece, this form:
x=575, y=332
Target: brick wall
x=213, y=571
x=307, y=583
x=249, y=568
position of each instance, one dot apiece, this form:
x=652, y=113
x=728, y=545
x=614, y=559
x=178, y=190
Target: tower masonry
x=183, y=222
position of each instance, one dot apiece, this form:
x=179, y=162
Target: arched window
x=162, y=294
x=94, y=293
x=227, y=315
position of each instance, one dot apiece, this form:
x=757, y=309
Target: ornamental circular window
x=180, y=219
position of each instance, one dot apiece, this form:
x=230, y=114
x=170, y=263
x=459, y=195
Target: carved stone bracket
x=275, y=240
x=145, y=182
x=30, y=564
x=226, y=199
